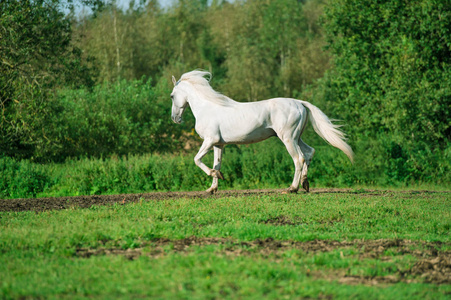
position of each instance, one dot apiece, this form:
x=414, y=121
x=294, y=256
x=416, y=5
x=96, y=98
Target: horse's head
x=179, y=101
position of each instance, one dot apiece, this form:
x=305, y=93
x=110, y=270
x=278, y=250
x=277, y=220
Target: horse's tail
x=327, y=130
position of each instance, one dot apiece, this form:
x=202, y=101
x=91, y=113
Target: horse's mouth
x=177, y=119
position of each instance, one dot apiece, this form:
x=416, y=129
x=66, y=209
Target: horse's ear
x=173, y=80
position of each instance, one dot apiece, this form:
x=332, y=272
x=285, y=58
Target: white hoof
x=212, y=190
x=292, y=190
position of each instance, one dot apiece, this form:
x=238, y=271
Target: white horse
x=221, y=121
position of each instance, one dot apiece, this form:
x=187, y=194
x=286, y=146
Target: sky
x=124, y=4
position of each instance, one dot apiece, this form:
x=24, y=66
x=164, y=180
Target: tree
x=36, y=57
x=392, y=76
x=272, y=48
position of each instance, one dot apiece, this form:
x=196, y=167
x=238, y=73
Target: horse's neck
x=197, y=103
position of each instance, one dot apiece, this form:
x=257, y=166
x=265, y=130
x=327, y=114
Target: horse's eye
x=172, y=97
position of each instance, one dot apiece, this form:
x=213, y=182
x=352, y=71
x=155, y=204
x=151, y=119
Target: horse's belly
x=247, y=137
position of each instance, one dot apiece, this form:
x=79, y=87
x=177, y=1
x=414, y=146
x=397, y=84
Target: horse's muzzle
x=177, y=113
x=177, y=119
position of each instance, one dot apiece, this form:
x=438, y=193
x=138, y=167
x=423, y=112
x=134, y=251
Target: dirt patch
x=57, y=203
x=281, y=221
x=433, y=265
x=434, y=270
x=367, y=280
x=155, y=248
x=286, y=220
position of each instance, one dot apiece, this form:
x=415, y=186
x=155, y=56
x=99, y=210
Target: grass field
x=347, y=245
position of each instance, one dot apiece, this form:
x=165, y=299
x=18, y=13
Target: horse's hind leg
x=217, y=168
x=308, y=155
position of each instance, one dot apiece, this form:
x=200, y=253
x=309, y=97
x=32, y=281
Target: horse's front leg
x=206, y=146
x=216, y=169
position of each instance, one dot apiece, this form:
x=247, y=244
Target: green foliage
x=22, y=179
x=390, y=83
x=269, y=41
x=125, y=117
x=245, y=44
x=36, y=56
x=262, y=165
x=393, y=62
x=122, y=118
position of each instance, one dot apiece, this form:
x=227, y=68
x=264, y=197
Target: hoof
x=216, y=174
x=292, y=190
x=211, y=191
x=306, y=186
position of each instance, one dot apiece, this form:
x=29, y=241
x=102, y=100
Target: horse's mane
x=202, y=86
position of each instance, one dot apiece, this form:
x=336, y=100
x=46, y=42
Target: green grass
x=39, y=250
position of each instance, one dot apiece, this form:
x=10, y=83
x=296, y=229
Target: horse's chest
x=201, y=129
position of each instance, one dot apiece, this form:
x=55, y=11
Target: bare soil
x=57, y=203
x=432, y=266
x=54, y=203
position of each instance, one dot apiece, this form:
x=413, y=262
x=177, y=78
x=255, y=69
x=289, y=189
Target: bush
x=122, y=118
x=37, y=57
x=389, y=84
x=22, y=179
x=262, y=165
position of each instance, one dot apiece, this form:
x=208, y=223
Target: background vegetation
x=91, y=89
